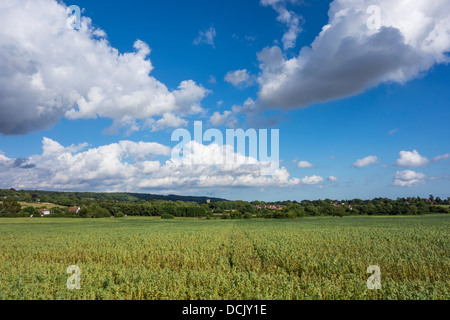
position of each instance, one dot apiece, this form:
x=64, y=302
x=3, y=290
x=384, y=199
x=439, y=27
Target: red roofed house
x=74, y=209
x=44, y=212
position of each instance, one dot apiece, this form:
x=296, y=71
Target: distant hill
x=120, y=196
x=173, y=197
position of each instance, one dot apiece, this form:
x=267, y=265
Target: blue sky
x=337, y=90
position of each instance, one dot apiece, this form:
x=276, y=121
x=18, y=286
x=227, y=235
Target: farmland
x=186, y=258
x=38, y=205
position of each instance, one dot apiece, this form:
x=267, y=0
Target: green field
x=151, y=258
x=38, y=205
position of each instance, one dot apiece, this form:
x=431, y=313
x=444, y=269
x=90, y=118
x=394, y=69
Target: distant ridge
x=173, y=197
x=117, y=196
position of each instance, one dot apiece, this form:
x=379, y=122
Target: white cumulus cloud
x=367, y=161
x=347, y=57
x=218, y=119
x=312, y=180
x=289, y=18
x=206, y=37
x=408, y=178
x=48, y=71
x=135, y=166
x=167, y=121
x=238, y=78
x=410, y=159
x=442, y=157
x=332, y=179
x=304, y=164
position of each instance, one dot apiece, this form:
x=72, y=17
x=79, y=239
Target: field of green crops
x=151, y=258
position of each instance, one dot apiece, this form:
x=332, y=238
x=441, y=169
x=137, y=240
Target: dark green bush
x=248, y=215
x=236, y=215
x=101, y=213
x=119, y=214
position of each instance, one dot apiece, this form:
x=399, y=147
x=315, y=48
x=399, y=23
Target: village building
x=44, y=212
x=74, y=209
x=269, y=206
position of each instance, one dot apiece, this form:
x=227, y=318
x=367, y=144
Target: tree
x=236, y=215
x=119, y=214
x=413, y=210
x=339, y=212
x=311, y=210
x=84, y=213
x=101, y=213
x=9, y=208
x=30, y=211
x=27, y=198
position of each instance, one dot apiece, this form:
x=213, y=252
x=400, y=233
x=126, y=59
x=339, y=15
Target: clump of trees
x=83, y=198
x=9, y=208
x=342, y=208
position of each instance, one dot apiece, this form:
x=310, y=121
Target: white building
x=44, y=212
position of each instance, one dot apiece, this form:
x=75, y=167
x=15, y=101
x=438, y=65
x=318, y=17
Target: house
x=44, y=212
x=208, y=201
x=270, y=207
x=74, y=209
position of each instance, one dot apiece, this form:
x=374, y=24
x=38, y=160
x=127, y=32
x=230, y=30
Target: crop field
x=151, y=258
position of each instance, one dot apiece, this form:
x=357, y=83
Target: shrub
x=167, y=216
x=84, y=213
x=226, y=216
x=101, y=213
x=119, y=214
x=209, y=215
x=30, y=210
x=248, y=215
x=236, y=215
x=9, y=208
x=290, y=215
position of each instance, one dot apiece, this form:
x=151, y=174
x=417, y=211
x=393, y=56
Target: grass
x=151, y=258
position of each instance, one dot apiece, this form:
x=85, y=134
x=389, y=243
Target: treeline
x=377, y=206
x=84, y=198
x=104, y=209
x=93, y=205
x=143, y=208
